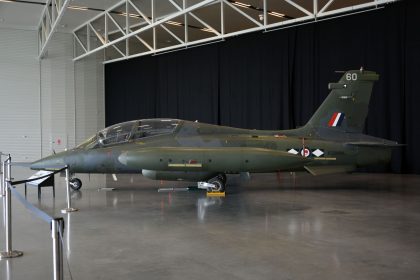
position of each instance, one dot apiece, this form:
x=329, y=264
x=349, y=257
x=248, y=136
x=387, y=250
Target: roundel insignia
x=305, y=152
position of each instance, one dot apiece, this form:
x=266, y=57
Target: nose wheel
x=216, y=184
x=75, y=184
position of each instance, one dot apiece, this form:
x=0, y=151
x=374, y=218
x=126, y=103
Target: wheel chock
x=215, y=194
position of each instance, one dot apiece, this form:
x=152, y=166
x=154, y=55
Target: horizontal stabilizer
x=375, y=144
x=329, y=169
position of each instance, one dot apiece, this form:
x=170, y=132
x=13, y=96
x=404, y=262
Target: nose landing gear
x=216, y=184
x=75, y=184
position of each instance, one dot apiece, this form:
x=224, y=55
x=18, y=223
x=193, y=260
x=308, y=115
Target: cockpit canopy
x=129, y=131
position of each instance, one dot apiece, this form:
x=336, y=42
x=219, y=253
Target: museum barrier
x=69, y=208
x=5, y=172
x=56, y=224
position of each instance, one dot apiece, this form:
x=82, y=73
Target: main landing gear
x=75, y=184
x=216, y=184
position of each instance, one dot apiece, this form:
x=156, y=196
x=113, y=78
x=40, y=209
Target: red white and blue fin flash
x=336, y=119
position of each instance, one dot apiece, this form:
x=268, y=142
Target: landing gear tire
x=75, y=184
x=222, y=177
x=219, y=184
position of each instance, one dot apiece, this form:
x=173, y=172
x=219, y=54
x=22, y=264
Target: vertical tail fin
x=346, y=107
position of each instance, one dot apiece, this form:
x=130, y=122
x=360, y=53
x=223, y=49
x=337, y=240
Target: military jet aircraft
x=170, y=149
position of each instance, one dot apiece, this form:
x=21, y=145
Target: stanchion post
x=6, y=167
x=8, y=253
x=3, y=177
x=9, y=168
x=69, y=208
x=2, y=184
x=3, y=190
x=57, y=229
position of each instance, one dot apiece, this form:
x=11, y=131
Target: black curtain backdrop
x=276, y=80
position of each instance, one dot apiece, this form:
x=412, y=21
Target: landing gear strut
x=216, y=184
x=75, y=184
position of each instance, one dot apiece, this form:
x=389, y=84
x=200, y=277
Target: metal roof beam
x=50, y=19
x=152, y=25
x=187, y=18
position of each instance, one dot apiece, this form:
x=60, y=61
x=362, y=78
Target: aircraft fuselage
x=194, y=152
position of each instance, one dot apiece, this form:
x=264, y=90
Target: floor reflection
x=7, y=271
x=76, y=194
x=330, y=228
x=68, y=235
x=203, y=205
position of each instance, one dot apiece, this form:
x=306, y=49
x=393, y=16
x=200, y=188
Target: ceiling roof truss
x=114, y=35
x=50, y=18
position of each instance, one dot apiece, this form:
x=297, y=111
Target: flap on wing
x=329, y=169
x=375, y=144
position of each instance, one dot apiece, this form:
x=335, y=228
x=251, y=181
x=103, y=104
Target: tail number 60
x=351, y=77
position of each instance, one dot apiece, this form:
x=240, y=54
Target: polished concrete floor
x=359, y=226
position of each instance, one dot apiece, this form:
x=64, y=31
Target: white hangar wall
x=46, y=104
x=19, y=94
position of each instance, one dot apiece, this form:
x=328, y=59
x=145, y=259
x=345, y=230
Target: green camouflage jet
x=169, y=149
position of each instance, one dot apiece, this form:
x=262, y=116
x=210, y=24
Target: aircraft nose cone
x=51, y=162
x=38, y=165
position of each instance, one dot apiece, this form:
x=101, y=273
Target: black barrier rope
x=41, y=214
x=37, y=178
x=38, y=212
